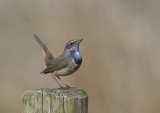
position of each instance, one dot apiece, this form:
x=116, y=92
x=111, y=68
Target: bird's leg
x=57, y=81
x=63, y=82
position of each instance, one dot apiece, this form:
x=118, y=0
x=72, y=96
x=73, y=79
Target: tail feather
x=39, y=42
x=47, y=53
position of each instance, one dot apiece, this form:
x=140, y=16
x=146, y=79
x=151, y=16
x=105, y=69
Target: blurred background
x=121, y=51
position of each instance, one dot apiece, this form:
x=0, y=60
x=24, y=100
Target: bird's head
x=73, y=45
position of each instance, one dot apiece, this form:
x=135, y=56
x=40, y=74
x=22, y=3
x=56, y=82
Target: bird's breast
x=77, y=58
x=75, y=66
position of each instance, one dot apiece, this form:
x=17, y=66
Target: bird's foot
x=62, y=87
x=67, y=87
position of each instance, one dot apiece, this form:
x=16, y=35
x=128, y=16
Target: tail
x=47, y=53
x=39, y=42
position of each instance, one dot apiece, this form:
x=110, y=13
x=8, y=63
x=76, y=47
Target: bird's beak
x=80, y=40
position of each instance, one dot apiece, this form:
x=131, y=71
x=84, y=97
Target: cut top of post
x=55, y=100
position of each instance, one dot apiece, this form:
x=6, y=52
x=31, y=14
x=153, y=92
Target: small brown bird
x=67, y=63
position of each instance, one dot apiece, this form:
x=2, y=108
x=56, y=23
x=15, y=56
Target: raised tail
x=47, y=54
x=40, y=42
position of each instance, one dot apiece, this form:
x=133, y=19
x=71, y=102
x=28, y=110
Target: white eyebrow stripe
x=71, y=41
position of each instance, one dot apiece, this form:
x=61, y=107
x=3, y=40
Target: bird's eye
x=71, y=44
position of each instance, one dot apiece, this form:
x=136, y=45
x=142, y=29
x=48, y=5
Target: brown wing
x=57, y=64
x=47, y=54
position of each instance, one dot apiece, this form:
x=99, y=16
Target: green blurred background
x=121, y=51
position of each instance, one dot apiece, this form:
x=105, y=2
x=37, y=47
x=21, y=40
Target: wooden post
x=56, y=100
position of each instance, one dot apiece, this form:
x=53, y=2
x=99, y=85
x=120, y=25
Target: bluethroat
x=67, y=63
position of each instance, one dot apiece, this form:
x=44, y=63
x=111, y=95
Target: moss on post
x=74, y=100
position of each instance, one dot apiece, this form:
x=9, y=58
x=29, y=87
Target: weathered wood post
x=56, y=100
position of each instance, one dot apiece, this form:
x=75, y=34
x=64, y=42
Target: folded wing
x=57, y=64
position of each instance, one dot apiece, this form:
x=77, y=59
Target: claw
x=67, y=87
x=62, y=87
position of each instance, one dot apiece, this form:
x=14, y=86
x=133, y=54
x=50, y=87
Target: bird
x=67, y=63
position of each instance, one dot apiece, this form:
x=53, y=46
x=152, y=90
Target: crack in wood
x=42, y=99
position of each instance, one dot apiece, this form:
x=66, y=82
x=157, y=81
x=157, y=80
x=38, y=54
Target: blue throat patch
x=76, y=54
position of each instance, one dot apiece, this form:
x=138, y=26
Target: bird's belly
x=67, y=71
x=63, y=72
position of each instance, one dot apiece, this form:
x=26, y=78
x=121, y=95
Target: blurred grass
x=121, y=57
